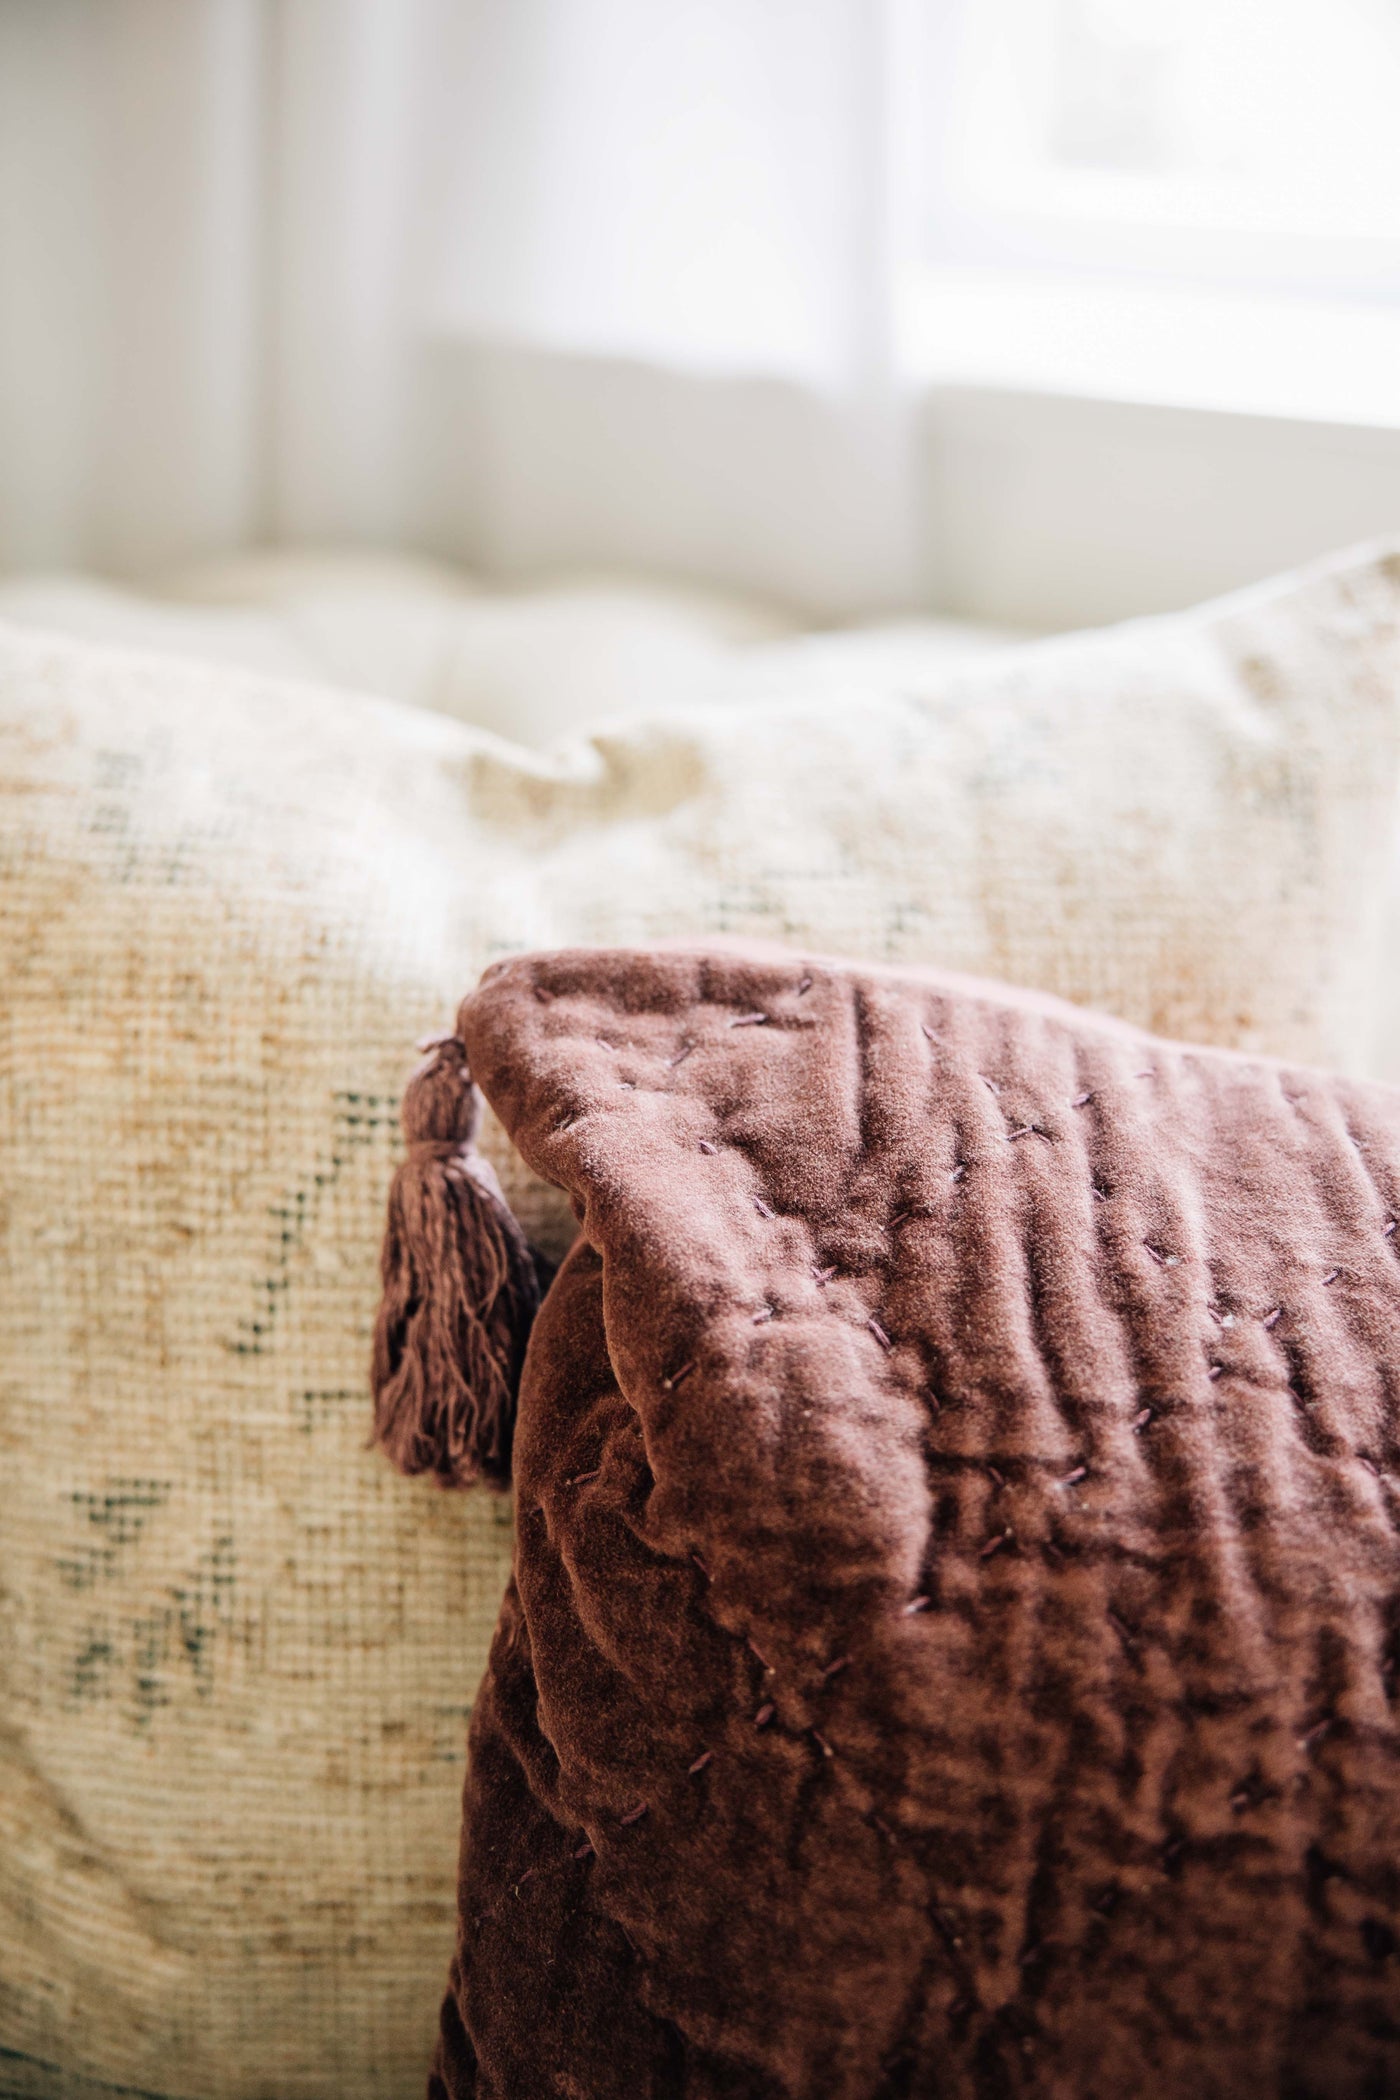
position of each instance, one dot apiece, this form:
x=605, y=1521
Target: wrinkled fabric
x=953, y=1640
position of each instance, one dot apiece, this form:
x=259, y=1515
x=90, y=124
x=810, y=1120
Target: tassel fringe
x=461, y=1288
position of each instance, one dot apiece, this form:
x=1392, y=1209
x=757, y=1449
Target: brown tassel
x=461, y=1288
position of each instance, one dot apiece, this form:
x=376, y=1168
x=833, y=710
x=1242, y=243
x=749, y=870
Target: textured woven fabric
x=954, y=1633
x=237, y=1654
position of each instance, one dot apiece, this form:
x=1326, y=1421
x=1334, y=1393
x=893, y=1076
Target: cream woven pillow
x=236, y=1652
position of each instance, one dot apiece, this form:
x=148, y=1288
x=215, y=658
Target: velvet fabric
x=952, y=1647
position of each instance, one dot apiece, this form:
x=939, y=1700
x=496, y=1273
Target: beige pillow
x=236, y=1652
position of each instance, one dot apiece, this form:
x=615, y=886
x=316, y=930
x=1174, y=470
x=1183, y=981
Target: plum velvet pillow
x=953, y=1634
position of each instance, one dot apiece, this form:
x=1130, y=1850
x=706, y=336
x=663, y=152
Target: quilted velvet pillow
x=952, y=1645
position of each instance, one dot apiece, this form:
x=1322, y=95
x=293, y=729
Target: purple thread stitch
x=1331, y=1276
x=761, y=1207
x=766, y=1313
x=879, y=1333
x=765, y=1714
x=916, y=1604
x=1080, y=1099
x=578, y=1479
x=833, y=1669
x=1215, y=1371
x=1079, y=1473
x=1271, y=1319
x=995, y=1545
x=585, y=1850
x=668, y=1385
x=958, y=1172
x=930, y=1033
x=821, y=1742
x=1142, y=1418
x=753, y=1020
x=805, y=986
x=633, y=1815
x=824, y=1276
x=700, y=1763
x=680, y=1057
x=752, y=1645
x=706, y=1146
x=701, y=1566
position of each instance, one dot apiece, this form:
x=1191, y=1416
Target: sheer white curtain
x=691, y=182
x=129, y=366
x=526, y=281
x=206, y=218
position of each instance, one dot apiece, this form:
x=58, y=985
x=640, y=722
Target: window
x=1210, y=184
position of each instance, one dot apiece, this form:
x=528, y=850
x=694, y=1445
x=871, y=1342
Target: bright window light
x=1278, y=117
x=1196, y=199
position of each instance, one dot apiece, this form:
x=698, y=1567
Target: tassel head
x=440, y=1104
